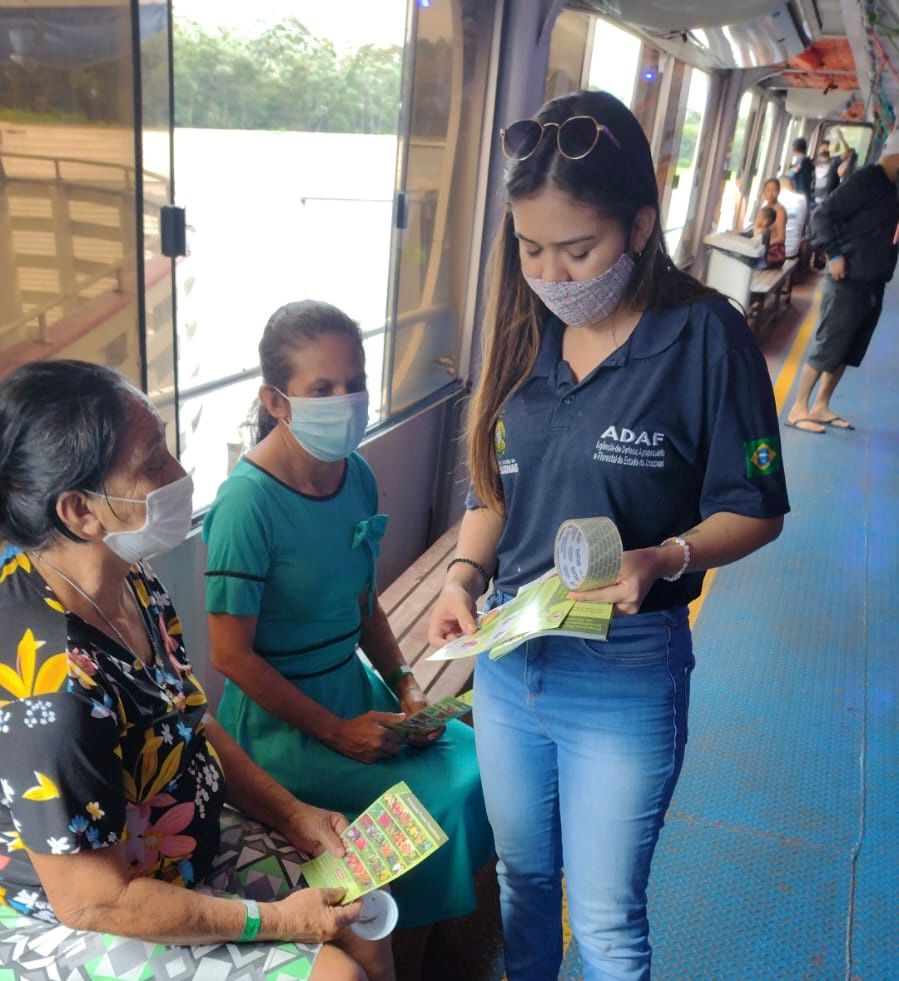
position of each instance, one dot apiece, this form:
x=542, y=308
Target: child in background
x=763, y=222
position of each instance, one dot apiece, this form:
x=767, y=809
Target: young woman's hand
x=366, y=739
x=454, y=614
x=639, y=570
x=312, y=915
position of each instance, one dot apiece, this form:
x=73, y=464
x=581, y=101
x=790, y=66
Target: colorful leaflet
x=390, y=837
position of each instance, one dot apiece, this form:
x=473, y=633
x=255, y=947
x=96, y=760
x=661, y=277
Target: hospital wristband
x=688, y=555
x=253, y=922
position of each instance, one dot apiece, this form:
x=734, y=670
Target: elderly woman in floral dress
x=121, y=853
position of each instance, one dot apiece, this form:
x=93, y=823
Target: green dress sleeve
x=238, y=536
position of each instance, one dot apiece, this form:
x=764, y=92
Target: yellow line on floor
x=793, y=360
x=782, y=385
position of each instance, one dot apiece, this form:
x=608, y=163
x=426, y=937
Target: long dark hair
x=61, y=425
x=289, y=329
x=617, y=183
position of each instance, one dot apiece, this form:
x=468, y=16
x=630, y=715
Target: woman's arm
x=232, y=653
x=846, y=164
x=779, y=228
x=719, y=540
x=93, y=890
x=363, y=738
x=381, y=648
x=253, y=792
x=378, y=641
x=454, y=612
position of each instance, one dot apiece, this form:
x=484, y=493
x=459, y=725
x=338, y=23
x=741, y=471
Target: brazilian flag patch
x=762, y=456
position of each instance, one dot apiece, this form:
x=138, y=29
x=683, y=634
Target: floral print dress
x=97, y=748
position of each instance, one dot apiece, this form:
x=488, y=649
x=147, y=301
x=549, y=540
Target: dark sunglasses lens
x=577, y=136
x=521, y=138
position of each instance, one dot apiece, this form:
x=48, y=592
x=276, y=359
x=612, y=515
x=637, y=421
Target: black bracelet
x=476, y=565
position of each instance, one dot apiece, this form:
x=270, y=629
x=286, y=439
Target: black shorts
x=850, y=310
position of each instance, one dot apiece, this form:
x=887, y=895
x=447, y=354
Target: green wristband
x=397, y=675
x=253, y=922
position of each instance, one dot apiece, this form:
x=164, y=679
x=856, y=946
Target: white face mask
x=329, y=428
x=586, y=301
x=169, y=510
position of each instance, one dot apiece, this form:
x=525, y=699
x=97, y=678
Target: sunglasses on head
x=575, y=137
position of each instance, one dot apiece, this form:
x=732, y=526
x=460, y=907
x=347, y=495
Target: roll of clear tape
x=588, y=552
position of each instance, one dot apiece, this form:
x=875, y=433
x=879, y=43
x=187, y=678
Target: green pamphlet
x=389, y=837
x=435, y=715
x=541, y=607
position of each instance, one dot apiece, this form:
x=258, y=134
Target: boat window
x=730, y=196
x=681, y=192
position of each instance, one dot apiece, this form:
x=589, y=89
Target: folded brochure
x=541, y=607
x=436, y=715
x=389, y=837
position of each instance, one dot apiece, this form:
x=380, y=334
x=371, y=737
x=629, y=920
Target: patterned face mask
x=586, y=301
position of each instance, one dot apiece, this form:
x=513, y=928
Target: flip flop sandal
x=802, y=429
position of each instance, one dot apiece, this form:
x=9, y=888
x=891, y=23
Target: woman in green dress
x=293, y=540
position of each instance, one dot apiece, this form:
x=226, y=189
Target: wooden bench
x=770, y=283
x=408, y=603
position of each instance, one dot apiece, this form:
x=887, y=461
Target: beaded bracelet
x=476, y=565
x=688, y=554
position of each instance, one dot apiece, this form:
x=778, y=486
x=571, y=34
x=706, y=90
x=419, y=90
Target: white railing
x=120, y=195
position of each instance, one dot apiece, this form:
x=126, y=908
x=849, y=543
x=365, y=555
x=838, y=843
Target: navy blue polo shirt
x=677, y=424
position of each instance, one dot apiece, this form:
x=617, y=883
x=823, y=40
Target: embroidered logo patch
x=499, y=438
x=762, y=456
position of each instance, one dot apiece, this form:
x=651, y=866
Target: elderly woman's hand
x=312, y=830
x=313, y=915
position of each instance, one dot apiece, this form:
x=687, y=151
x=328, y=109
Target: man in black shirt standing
x=856, y=227
x=802, y=170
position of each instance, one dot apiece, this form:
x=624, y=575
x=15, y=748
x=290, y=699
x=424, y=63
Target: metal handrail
x=408, y=319
x=40, y=314
x=126, y=168
x=324, y=197
x=115, y=268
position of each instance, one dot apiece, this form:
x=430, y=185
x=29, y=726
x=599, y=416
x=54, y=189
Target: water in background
x=272, y=217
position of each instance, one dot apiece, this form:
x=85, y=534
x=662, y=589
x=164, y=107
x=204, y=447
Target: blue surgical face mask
x=329, y=428
x=586, y=301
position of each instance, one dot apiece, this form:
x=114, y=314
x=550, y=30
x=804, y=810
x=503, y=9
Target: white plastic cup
x=378, y=917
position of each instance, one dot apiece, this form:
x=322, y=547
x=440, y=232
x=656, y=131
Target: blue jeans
x=580, y=745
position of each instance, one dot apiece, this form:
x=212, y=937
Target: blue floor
x=780, y=853
x=779, y=858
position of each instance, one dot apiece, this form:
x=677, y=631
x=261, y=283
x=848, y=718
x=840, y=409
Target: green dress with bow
x=299, y=565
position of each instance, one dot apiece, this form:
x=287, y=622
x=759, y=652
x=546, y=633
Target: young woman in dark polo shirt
x=612, y=384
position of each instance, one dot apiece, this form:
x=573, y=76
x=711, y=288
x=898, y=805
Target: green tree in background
x=689, y=139
x=286, y=78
